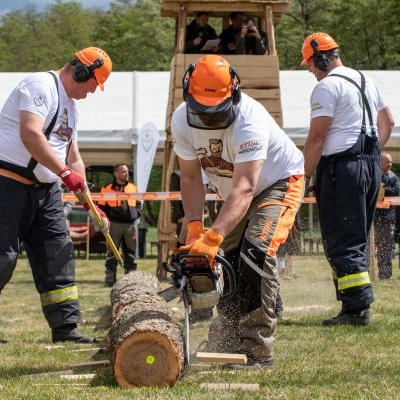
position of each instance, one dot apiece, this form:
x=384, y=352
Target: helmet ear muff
x=83, y=72
x=236, y=93
x=186, y=79
x=321, y=61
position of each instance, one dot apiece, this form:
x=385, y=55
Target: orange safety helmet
x=325, y=43
x=102, y=69
x=210, y=81
x=211, y=89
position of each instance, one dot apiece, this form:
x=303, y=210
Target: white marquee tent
x=134, y=102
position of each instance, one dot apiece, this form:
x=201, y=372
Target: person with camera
x=38, y=150
x=250, y=40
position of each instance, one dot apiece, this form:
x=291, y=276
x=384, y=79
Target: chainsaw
x=198, y=283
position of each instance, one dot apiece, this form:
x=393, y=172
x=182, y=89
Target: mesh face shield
x=216, y=117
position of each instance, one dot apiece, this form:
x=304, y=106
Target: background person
x=258, y=171
x=385, y=219
x=229, y=35
x=343, y=145
x=122, y=215
x=38, y=132
x=198, y=32
x=251, y=40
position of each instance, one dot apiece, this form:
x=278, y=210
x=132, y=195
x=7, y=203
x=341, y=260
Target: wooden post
x=181, y=30
x=269, y=18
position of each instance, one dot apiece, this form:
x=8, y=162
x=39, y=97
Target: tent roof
x=111, y=120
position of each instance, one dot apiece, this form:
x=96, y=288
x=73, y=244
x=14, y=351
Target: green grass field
x=312, y=362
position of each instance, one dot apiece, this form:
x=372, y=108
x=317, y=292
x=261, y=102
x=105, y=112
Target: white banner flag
x=147, y=144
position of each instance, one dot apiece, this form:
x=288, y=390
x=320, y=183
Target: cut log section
x=145, y=338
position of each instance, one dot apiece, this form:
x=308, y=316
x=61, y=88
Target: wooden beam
x=181, y=30
x=100, y=363
x=222, y=358
x=269, y=17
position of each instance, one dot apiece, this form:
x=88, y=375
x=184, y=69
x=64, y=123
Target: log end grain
x=147, y=359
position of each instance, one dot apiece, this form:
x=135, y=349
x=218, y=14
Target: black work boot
x=359, y=317
x=69, y=333
x=111, y=277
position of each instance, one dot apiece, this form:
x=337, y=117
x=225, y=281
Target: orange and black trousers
x=251, y=248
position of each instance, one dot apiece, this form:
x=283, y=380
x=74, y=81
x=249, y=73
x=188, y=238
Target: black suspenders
x=366, y=105
x=32, y=162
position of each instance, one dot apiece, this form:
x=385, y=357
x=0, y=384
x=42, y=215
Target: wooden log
x=146, y=338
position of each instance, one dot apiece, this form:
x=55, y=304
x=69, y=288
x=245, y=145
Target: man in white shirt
x=38, y=150
x=258, y=171
x=350, y=122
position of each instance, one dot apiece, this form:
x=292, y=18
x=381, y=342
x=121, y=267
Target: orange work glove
x=194, y=230
x=208, y=244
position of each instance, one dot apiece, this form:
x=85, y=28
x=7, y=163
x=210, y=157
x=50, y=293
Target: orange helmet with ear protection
x=89, y=56
x=211, y=80
x=325, y=43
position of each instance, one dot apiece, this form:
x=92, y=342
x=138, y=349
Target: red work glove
x=106, y=222
x=194, y=230
x=72, y=180
x=208, y=244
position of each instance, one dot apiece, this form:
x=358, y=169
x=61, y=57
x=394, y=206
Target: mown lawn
x=312, y=362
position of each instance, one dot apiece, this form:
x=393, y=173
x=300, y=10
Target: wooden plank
x=46, y=374
x=78, y=376
x=247, y=60
x=273, y=94
x=221, y=358
x=91, y=364
x=254, y=387
x=221, y=8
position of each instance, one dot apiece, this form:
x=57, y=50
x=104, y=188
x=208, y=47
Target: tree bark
x=145, y=338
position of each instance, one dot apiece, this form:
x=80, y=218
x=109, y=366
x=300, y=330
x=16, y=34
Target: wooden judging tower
x=259, y=78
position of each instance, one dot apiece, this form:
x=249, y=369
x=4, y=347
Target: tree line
x=137, y=38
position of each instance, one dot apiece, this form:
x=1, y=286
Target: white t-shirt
x=254, y=135
x=37, y=93
x=336, y=97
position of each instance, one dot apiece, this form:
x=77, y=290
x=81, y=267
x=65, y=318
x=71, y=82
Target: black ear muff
x=186, y=79
x=236, y=94
x=321, y=61
x=83, y=72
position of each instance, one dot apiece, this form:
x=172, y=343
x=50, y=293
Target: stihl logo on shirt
x=251, y=145
x=316, y=106
x=210, y=90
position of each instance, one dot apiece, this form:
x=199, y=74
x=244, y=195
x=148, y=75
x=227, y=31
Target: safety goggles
x=216, y=117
